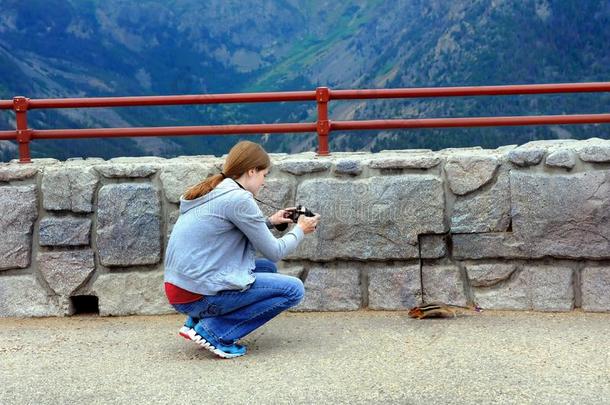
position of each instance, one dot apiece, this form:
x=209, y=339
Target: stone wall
x=523, y=228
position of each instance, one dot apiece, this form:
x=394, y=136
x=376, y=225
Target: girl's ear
x=252, y=172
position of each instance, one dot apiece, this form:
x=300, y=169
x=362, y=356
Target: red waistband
x=177, y=295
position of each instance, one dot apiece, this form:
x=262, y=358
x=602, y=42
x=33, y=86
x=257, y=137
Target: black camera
x=294, y=216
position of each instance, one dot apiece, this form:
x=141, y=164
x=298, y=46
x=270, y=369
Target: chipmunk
x=437, y=310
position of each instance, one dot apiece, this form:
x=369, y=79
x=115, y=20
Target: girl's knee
x=297, y=290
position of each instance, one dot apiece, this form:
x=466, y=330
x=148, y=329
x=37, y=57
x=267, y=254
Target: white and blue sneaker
x=188, y=328
x=199, y=336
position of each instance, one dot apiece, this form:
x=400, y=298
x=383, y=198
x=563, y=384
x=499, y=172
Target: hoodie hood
x=224, y=187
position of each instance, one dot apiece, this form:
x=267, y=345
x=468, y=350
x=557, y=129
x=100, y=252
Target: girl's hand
x=281, y=217
x=308, y=224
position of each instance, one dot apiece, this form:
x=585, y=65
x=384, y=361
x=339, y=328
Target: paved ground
x=362, y=357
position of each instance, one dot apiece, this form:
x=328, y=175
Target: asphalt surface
x=358, y=358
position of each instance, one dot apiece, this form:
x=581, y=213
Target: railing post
x=24, y=135
x=323, y=124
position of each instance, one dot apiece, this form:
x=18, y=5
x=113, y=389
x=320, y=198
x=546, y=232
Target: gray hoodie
x=213, y=243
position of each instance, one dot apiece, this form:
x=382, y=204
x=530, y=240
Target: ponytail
x=203, y=187
x=245, y=155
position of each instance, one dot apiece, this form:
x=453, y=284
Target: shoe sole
x=192, y=335
x=185, y=332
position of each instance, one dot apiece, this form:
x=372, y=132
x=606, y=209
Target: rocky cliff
x=56, y=48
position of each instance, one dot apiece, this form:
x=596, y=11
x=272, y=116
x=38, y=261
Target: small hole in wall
x=84, y=305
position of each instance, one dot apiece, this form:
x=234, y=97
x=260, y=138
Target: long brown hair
x=245, y=155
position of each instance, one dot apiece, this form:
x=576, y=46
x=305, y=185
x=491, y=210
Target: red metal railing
x=323, y=125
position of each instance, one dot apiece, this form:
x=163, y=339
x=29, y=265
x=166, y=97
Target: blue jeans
x=231, y=315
